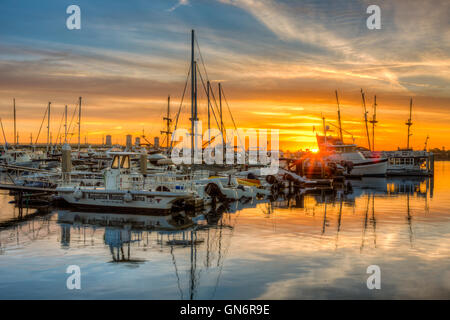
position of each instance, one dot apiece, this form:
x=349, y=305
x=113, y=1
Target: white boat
x=409, y=162
x=123, y=191
x=406, y=162
x=351, y=159
x=16, y=158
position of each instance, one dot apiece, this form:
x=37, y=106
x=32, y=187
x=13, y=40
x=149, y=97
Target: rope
x=45, y=114
x=181, y=104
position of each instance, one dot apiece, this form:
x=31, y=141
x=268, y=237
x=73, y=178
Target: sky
x=279, y=63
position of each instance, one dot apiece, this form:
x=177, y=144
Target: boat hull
x=116, y=201
x=376, y=168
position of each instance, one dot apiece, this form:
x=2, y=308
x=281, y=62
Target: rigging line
x=154, y=124
x=181, y=104
x=60, y=124
x=70, y=125
x=217, y=106
x=163, y=140
x=232, y=118
x=45, y=114
x=228, y=106
x=201, y=59
x=4, y=137
x=215, y=102
x=338, y=128
x=203, y=83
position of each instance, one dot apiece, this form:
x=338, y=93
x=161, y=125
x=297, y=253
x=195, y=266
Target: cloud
x=180, y=3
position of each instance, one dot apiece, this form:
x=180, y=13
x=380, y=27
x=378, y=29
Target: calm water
x=316, y=246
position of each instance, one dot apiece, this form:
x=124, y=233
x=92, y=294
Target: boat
x=124, y=191
x=16, y=157
x=353, y=161
x=407, y=162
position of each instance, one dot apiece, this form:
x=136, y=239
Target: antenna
x=426, y=143
x=409, y=123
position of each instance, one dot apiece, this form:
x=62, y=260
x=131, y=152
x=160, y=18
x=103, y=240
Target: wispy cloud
x=180, y=3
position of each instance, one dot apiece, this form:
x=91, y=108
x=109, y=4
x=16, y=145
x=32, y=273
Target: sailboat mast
x=409, y=123
x=168, y=120
x=193, y=92
x=339, y=118
x=15, y=132
x=209, y=111
x=79, y=123
x=365, y=117
x=374, y=121
x=65, y=124
x=48, y=126
x=220, y=110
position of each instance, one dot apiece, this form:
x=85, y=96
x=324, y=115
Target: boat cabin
x=119, y=175
x=410, y=162
x=121, y=161
x=344, y=148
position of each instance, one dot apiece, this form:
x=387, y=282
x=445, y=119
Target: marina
x=224, y=150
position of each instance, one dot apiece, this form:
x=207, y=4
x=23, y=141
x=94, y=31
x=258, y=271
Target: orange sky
x=279, y=63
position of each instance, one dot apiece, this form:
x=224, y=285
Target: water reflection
x=255, y=245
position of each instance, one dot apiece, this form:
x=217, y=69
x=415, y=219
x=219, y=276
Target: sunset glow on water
x=316, y=247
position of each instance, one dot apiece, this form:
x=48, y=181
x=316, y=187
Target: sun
x=314, y=150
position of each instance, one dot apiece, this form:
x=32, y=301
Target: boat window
x=125, y=163
x=115, y=163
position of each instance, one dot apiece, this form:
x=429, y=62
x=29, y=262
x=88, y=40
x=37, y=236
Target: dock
x=19, y=188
